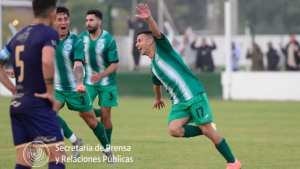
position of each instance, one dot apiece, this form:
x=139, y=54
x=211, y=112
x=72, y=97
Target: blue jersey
x=32, y=118
x=25, y=50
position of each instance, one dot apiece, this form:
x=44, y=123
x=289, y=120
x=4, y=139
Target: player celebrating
x=101, y=64
x=32, y=53
x=65, y=81
x=69, y=86
x=190, y=103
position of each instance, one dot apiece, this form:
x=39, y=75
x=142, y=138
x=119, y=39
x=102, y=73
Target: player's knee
x=175, y=131
x=206, y=129
x=92, y=123
x=106, y=118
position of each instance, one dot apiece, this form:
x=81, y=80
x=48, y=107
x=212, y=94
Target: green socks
x=191, y=131
x=66, y=129
x=107, y=130
x=108, y=134
x=224, y=149
x=100, y=133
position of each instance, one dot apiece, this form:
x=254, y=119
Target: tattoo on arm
x=78, y=73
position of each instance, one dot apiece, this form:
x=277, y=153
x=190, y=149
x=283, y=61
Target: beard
x=92, y=30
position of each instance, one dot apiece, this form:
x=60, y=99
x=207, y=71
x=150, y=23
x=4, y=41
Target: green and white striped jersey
x=68, y=51
x=99, y=54
x=169, y=70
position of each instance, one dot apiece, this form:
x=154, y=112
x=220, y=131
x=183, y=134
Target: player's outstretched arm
x=158, y=103
x=48, y=53
x=5, y=80
x=144, y=13
x=78, y=73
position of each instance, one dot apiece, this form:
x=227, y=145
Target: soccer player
x=101, y=64
x=32, y=53
x=69, y=86
x=65, y=82
x=190, y=102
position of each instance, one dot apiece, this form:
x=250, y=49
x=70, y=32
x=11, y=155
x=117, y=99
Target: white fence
x=262, y=86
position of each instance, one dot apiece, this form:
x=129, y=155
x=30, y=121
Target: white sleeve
x=4, y=54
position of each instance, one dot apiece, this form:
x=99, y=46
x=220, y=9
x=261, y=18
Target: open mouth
x=63, y=28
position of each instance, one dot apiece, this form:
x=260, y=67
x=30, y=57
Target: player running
x=65, y=82
x=102, y=59
x=33, y=121
x=69, y=86
x=190, y=102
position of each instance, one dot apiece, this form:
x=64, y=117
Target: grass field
x=263, y=135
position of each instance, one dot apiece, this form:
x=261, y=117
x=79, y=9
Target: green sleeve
x=163, y=42
x=78, y=50
x=112, y=55
x=155, y=80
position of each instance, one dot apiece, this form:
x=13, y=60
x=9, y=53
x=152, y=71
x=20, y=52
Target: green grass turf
x=263, y=135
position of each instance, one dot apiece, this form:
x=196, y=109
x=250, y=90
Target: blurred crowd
x=270, y=60
x=290, y=51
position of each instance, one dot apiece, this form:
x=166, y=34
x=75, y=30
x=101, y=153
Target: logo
x=35, y=154
x=100, y=46
x=67, y=47
x=15, y=103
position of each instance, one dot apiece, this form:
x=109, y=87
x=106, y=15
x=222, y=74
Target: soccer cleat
x=76, y=151
x=109, y=155
x=236, y=165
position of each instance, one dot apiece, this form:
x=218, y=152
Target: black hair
x=147, y=32
x=62, y=9
x=95, y=12
x=42, y=7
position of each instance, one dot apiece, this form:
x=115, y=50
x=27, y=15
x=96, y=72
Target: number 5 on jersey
x=19, y=62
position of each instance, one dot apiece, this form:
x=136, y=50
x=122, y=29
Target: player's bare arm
x=5, y=80
x=48, y=54
x=144, y=13
x=158, y=102
x=78, y=73
x=109, y=70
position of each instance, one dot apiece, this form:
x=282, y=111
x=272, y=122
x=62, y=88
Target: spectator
x=236, y=54
x=272, y=58
x=185, y=41
x=256, y=57
x=137, y=26
x=204, y=59
x=292, y=54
